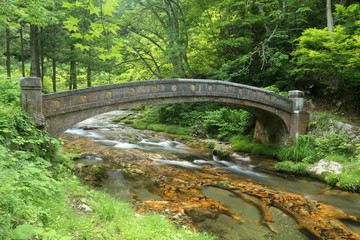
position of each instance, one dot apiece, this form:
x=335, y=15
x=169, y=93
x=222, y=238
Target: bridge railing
x=107, y=94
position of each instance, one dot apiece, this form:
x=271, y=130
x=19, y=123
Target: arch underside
x=273, y=124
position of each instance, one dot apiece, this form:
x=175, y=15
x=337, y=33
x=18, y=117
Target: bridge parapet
x=81, y=99
x=279, y=119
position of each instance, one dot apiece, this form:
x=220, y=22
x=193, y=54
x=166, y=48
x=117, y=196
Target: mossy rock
x=222, y=152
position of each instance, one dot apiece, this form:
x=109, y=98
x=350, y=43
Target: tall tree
x=22, y=50
x=8, y=54
x=329, y=18
x=34, y=50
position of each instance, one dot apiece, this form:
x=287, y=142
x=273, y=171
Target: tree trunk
x=8, y=53
x=42, y=57
x=329, y=18
x=22, y=50
x=73, y=80
x=88, y=72
x=34, y=51
x=54, y=74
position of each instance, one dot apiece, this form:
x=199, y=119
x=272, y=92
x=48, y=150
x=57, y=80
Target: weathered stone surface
x=326, y=166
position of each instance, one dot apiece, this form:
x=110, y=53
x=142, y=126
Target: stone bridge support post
x=31, y=99
x=299, y=117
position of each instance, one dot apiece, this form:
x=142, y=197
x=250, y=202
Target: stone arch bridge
x=279, y=120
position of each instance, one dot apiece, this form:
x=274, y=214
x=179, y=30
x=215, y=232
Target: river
x=155, y=170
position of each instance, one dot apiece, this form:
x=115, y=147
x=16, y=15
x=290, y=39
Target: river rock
x=325, y=166
x=222, y=152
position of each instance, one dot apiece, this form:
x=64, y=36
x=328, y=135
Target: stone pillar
x=31, y=99
x=299, y=117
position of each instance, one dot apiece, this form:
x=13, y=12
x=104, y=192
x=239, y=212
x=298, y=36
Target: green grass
x=291, y=167
x=168, y=128
x=245, y=144
x=304, y=147
x=140, y=124
x=340, y=158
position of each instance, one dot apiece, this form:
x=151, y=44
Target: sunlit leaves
x=328, y=59
x=109, y=7
x=97, y=29
x=67, y=5
x=71, y=24
x=81, y=47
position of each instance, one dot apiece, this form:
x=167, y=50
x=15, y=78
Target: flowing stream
x=163, y=150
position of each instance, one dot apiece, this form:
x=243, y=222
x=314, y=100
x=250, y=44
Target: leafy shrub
x=276, y=90
x=202, y=118
x=18, y=132
x=9, y=91
x=333, y=143
x=226, y=122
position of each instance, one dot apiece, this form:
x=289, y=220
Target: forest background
x=311, y=45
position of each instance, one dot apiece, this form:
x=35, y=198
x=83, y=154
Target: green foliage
x=120, y=118
x=140, y=124
x=337, y=157
x=333, y=143
x=245, y=144
x=168, y=129
x=182, y=114
x=277, y=90
x=291, y=167
x=210, y=145
x=18, y=133
x=186, y=138
x=265, y=150
x=304, y=147
x=326, y=60
x=128, y=121
x=202, y=118
x=226, y=122
x=9, y=91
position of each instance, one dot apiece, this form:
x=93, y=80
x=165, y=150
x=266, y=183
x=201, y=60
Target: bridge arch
x=279, y=119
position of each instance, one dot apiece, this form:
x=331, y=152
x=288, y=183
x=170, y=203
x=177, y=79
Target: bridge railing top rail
x=158, y=82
